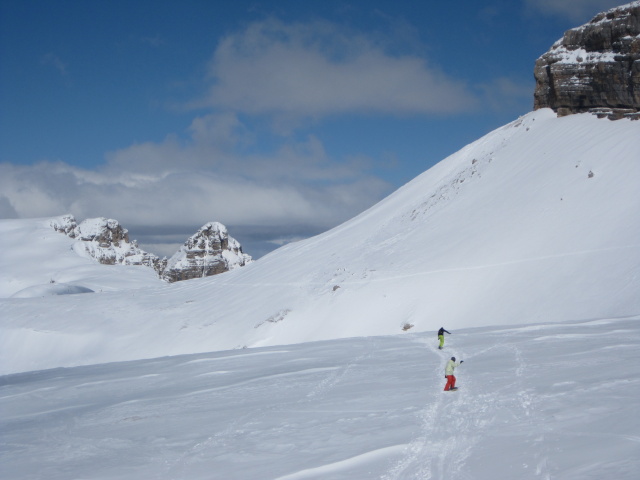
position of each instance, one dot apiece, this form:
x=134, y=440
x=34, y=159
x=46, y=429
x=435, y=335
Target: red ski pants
x=451, y=382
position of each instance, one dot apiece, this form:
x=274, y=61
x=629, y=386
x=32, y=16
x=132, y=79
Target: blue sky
x=278, y=119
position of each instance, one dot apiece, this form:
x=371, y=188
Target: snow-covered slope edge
x=35, y=260
x=537, y=221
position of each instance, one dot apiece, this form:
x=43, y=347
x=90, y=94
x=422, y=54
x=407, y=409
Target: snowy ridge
x=535, y=222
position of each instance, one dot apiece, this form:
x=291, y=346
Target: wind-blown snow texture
x=554, y=401
x=536, y=222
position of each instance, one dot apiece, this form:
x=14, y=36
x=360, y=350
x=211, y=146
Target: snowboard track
x=450, y=421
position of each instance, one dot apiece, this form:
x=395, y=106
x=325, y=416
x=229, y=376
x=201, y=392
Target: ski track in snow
x=333, y=378
x=538, y=402
x=451, y=422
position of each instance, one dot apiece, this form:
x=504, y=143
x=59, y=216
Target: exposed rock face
x=106, y=241
x=65, y=224
x=595, y=67
x=209, y=252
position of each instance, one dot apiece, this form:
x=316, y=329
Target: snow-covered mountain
x=37, y=260
x=535, y=222
x=104, y=240
x=525, y=245
x=210, y=251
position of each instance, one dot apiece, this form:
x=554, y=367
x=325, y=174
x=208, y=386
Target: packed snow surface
x=538, y=221
x=541, y=401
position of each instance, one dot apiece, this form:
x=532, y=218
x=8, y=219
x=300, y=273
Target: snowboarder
x=441, y=337
x=448, y=374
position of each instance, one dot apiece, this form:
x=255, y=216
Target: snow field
x=539, y=401
x=535, y=222
x=37, y=261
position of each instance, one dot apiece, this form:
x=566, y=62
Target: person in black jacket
x=441, y=333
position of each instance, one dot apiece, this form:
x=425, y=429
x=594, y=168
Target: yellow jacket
x=451, y=365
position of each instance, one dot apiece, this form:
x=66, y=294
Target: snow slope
x=539, y=221
x=542, y=401
x=34, y=258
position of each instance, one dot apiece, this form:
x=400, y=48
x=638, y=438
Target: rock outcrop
x=209, y=252
x=594, y=68
x=106, y=241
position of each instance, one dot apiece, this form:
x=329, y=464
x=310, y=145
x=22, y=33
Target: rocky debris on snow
x=275, y=318
x=594, y=68
x=209, y=252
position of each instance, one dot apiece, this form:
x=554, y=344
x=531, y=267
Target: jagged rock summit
x=594, y=68
x=209, y=252
x=104, y=240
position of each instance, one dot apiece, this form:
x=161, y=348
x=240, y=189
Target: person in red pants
x=448, y=374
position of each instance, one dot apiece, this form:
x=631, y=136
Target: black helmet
x=453, y=358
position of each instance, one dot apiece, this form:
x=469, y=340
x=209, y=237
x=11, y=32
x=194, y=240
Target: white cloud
x=182, y=185
x=284, y=73
x=181, y=198
x=317, y=69
x=576, y=10
x=6, y=209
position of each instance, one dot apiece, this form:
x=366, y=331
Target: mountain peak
x=209, y=251
x=105, y=240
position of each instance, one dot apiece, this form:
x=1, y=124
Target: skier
x=448, y=374
x=441, y=337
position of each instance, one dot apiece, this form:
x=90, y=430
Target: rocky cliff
x=595, y=67
x=106, y=241
x=209, y=252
